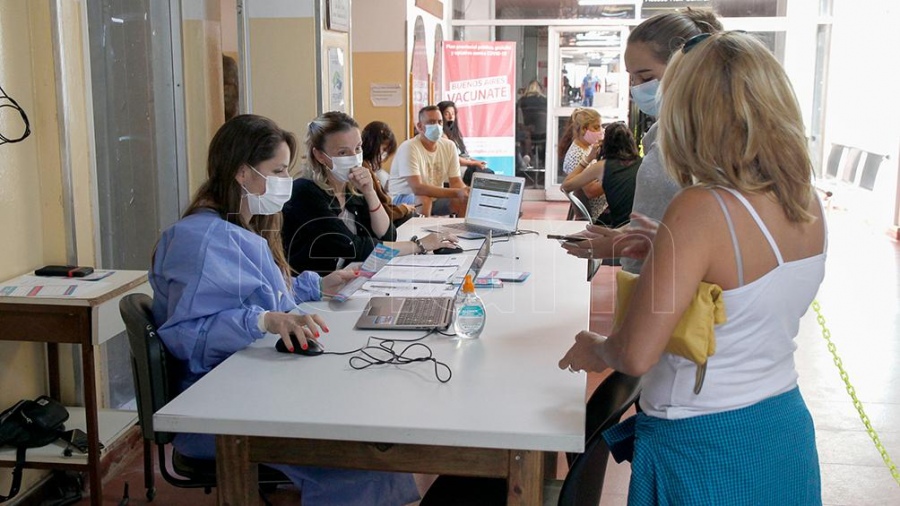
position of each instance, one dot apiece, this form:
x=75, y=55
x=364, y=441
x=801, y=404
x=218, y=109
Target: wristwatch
x=418, y=242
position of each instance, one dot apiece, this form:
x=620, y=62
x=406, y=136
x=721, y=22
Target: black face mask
x=449, y=124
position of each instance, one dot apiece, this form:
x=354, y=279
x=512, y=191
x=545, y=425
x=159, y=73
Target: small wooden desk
x=506, y=409
x=89, y=321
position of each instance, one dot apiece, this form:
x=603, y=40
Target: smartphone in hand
x=566, y=238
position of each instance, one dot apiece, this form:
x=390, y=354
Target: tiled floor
x=861, y=304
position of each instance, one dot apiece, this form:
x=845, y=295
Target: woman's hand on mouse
x=303, y=326
x=437, y=240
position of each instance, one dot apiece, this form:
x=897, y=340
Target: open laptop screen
x=495, y=201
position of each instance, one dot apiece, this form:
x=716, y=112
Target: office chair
x=583, y=484
x=154, y=387
x=870, y=170
x=578, y=210
x=577, y=205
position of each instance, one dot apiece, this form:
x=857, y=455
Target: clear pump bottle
x=470, y=315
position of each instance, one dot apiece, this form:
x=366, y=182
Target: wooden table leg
x=237, y=478
x=526, y=478
x=53, y=370
x=93, y=426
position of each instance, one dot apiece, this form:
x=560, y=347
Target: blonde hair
x=578, y=123
x=729, y=117
x=534, y=89
x=331, y=122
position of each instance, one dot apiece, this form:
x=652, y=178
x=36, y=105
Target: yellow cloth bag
x=694, y=338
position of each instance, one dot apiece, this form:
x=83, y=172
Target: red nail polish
x=317, y=334
x=304, y=345
x=291, y=349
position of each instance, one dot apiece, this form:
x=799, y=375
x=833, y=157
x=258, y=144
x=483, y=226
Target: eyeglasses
x=700, y=37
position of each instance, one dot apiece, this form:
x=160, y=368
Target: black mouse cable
x=384, y=354
x=380, y=351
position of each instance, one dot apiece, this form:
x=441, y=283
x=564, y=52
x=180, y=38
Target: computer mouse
x=448, y=251
x=313, y=346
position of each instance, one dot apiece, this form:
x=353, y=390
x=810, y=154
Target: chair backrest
x=584, y=482
x=577, y=202
x=850, y=164
x=870, y=170
x=834, y=160
x=153, y=385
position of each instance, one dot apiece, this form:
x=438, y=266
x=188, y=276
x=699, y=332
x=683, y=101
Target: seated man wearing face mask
x=334, y=216
x=423, y=164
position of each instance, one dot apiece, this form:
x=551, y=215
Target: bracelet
x=418, y=243
x=375, y=208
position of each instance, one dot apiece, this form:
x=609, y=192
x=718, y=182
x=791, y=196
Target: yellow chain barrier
x=852, y=391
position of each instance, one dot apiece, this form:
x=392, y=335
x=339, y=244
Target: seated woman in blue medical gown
x=221, y=281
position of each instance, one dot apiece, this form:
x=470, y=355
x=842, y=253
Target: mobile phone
x=78, y=439
x=566, y=238
x=66, y=271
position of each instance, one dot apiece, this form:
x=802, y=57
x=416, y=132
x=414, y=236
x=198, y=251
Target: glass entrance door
x=585, y=69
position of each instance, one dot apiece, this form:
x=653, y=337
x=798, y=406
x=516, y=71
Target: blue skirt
x=759, y=455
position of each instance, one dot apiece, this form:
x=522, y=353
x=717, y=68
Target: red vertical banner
x=480, y=78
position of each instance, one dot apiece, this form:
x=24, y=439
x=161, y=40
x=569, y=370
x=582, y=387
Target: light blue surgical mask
x=433, y=132
x=645, y=96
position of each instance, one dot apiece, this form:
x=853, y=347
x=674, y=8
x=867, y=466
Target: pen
x=388, y=287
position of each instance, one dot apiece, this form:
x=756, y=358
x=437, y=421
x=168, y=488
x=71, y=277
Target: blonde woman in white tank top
x=748, y=220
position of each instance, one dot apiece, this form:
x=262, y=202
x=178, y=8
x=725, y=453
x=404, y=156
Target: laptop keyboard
x=478, y=229
x=422, y=311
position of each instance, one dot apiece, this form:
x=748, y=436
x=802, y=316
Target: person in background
x=423, y=164
x=616, y=169
x=230, y=86
x=533, y=106
x=747, y=220
x=379, y=144
x=647, y=53
x=221, y=281
x=579, y=147
x=452, y=132
x=587, y=89
x=334, y=215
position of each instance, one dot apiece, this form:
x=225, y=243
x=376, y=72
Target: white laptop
x=495, y=202
x=417, y=313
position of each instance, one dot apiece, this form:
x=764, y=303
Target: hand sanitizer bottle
x=469, y=321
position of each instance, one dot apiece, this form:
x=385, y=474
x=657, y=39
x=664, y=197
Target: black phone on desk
x=65, y=271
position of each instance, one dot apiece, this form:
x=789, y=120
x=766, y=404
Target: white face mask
x=384, y=155
x=341, y=165
x=278, y=191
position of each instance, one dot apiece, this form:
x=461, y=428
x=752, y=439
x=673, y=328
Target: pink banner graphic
x=480, y=77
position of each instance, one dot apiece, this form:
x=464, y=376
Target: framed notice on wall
x=335, y=77
x=337, y=15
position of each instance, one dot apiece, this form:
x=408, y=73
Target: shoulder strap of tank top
x=824, y=223
x=759, y=222
x=737, y=249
